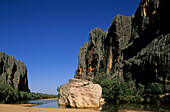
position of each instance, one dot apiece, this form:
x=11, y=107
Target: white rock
x=80, y=93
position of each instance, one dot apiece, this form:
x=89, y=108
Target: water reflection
x=112, y=107
x=107, y=107
x=45, y=103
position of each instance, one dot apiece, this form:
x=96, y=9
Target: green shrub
x=98, y=78
x=154, y=88
x=141, y=89
x=134, y=35
x=9, y=95
x=125, y=89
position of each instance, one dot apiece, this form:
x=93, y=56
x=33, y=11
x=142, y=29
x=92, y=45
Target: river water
x=108, y=107
x=45, y=103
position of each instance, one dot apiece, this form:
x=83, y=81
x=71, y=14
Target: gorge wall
x=13, y=72
x=138, y=44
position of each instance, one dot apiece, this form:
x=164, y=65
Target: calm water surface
x=45, y=103
x=112, y=107
x=108, y=107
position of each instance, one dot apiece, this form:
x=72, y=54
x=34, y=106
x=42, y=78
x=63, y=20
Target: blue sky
x=47, y=34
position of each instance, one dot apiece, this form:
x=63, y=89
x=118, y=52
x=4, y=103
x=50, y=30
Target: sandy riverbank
x=27, y=108
x=22, y=108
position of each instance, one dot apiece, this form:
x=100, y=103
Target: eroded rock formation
x=13, y=72
x=103, y=52
x=80, y=93
x=137, y=44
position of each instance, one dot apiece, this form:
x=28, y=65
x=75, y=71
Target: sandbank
x=28, y=108
x=22, y=108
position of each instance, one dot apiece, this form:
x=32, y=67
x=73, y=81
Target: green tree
x=9, y=95
x=58, y=90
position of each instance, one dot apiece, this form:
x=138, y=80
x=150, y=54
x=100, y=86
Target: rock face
x=152, y=63
x=103, y=52
x=13, y=72
x=137, y=44
x=80, y=93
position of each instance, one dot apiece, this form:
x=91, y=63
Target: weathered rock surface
x=148, y=56
x=103, y=51
x=91, y=55
x=152, y=63
x=139, y=44
x=80, y=93
x=13, y=72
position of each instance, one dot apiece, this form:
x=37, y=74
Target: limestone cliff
x=103, y=52
x=13, y=72
x=139, y=44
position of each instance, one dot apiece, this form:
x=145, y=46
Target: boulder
x=80, y=93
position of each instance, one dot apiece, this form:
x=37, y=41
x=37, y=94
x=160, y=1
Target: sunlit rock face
x=102, y=54
x=13, y=72
x=138, y=44
x=80, y=94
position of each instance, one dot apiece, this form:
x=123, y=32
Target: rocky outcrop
x=148, y=56
x=103, y=52
x=80, y=93
x=150, y=21
x=13, y=72
x=152, y=63
x=138, y=44
x=91, y=55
